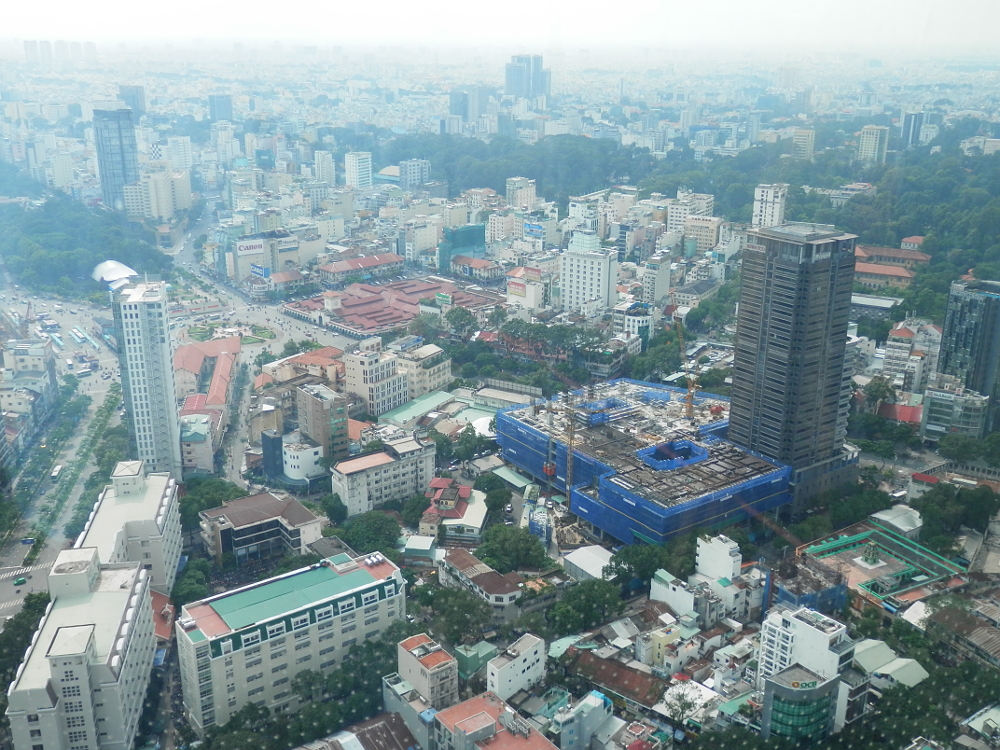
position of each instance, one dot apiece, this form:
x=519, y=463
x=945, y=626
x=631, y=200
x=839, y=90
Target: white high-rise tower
x=769, y=205
x=147, y=368
x=358, y=169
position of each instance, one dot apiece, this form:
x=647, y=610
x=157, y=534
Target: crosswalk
x=6, y=573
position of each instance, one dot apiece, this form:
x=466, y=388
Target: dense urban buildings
x=790, y=393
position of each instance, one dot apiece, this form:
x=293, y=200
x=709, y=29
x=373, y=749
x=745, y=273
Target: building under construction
x=633, y=464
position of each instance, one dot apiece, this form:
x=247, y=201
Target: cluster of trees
x=203, y=493
x=966, y=449
x=510, y=548
x=373, y=531
x=290, y=349
x=342, y=696
x=945, y=509
x=717, y=312
x=192, y=584
x=54, y=248
x=112, y=448
x=458, y=616
x=469, y=443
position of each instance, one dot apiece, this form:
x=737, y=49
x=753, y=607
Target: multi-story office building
x=358, y=169
x=374, y=376
x=324, y=167
x=134, y=98
x=912, y=350
x=589, y=273
x=83, y=680
x=802, y=636
x=521, y=193
x=248, y=645
x=117, y=154
x=259, y=526
x=427, y=368
x=790, y=386
x=323, y=417
x=970, y=343
x=429, y=669
x=704, y=230
x=769, y=205
x=799, y=705
x=952, y=409
x=137, y=519
x=873, y=144
x=147, y=371
x=803, y=143
x=179, y=152
x=524, y=77
x=220, y=107
x=912, y=124
x=519, y=667
x=575, y=726
x=402, y=469
x=656, y=279
x=158, y=194
x=413, y=173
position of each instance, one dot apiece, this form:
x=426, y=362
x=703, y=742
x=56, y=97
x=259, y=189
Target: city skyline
x=787, y=24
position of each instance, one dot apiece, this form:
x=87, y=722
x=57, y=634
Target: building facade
x=247, y=645
x=790, y=387
x=589, y=273
x=147, y=372
x=259, y=526
x=520, y=667
x=374, y=376
x=323, y=417
x=427, y=368
x=769, y=205
x=83, y=680
x=117, y=154
x=873, y=143
x=401, y=470
x=358, y=169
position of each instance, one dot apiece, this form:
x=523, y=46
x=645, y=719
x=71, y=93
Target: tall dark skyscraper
x=790, y=387
x=220, y=107
x=135, y=98
x=912, y=123
x=117, y=154
x=970, y=343
x=524, y=77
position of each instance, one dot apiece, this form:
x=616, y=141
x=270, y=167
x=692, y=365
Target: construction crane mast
x=690, y=378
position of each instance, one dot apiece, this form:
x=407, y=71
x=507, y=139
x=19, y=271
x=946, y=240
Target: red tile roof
x=356, y=427
x=925, y=478
x=640, y=687
x=902, y=332
x=914, y=240
x=218, y=389
x=194, y=402
x=900, y=413
x=359, y=264
x=283, y=277
x=867, y=251
x=883, y=270
x=261, y=380
x=465, y=260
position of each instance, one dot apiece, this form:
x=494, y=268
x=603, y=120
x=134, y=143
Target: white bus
x=56, y=472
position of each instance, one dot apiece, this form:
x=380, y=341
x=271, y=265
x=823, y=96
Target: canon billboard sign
x=249, y=247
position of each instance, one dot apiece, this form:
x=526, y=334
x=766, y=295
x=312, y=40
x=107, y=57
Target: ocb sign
x=804, y=685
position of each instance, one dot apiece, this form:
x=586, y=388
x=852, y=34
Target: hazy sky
x=921, y=26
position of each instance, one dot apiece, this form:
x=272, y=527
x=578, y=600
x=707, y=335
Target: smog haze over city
x=500, y=376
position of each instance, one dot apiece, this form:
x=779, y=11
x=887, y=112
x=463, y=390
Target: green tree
x=586, y=605
x=878, y=391
x=509, y=548
x=960, y=448
x=459, y=615
x=413, y=509
x=192, y=584
x=333, y=508
x=639, y=561
x=204, y=493
x=370, y=532
x=496, y=500
x=461, y=320
x=488, y=482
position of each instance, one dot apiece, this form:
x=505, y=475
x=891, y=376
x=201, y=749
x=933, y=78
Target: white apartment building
x=519, y=667
x=158, y=195
x=873, y=144
x=179, y=152
x=803, y=143
x=656, y=279
x=147, y=370
x=521, y=192
x=427, y=368
x=589, y=273
x=83, y=679
x=137, y=519
x=375, y=377
x=402, y=469
x=324, y=168
x=769, y=205
x=802, y=636
x=912, y=349
x=358, y=169
x=247, y=645
x=429, y=669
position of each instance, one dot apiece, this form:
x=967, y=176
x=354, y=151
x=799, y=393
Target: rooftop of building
x=418, y=407
x=616, y=420
x=329, y=579
x=868, y=251
x=515, y=650
x=510, y=731
x=427, y=651
x=879, y=269
x=363, y=463
x=113, y=511
x=614, y=676
x=254, y=509
x=192, y=356
x=798, y=231
x=795, y=675
x=98, y=612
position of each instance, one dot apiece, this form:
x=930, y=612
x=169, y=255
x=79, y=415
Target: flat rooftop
x=115, y=511
x=792, y=676
x=266, y=600
x=615, y=420
x=100, y=611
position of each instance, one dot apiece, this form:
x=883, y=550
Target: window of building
x=70, y=691
x=75, y=721
x=251, y=638
x=370, y=598
x=346, y=606
x=324, y=614
x=276, y=630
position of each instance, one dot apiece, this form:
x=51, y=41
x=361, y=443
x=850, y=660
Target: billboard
x=263, y=271
x=442, y=298
x=516, y=288
x=532, y=274
x=288, y=243
x=534, y=231
x=249, y=247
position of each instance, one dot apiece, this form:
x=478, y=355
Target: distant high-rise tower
x=803, y=143
x=790, y=386
x=324, y=167
x=31, y=52
x=912, y=123
x=117, y=154
x=873, y=143
x=413, y=173
x=135, y=98
x=147, y=370
x=524, y=77
x=769, y=205
x=220, y=107
x=970, y=343
x=358, y=169
x=521, y=192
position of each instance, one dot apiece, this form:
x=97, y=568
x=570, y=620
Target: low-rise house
x=259, y=526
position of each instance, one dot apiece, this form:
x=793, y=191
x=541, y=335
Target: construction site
x=641, y=461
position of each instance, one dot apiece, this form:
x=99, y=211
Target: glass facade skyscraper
x=117, y=154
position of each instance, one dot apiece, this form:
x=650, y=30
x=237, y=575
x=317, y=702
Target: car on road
x=20, y=581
